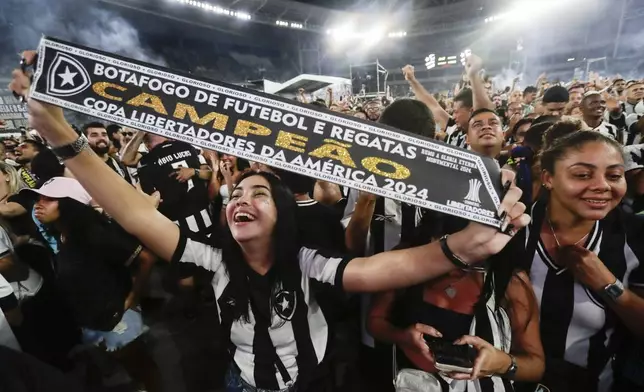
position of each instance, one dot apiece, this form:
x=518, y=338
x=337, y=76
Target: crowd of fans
x=134, y=233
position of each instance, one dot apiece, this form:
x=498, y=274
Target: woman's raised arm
x=118, y=198
x=408, y=267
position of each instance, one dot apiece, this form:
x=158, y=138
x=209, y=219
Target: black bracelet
x=451, y=256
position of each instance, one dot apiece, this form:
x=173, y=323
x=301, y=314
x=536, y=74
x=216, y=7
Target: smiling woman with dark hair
x=585, y=261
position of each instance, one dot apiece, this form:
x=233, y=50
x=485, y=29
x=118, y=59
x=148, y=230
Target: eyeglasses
x=127, y=133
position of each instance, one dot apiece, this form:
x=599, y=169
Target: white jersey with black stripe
x=575, y=322
x=611, y=131
x=298, y=332
x=455, y=136
x=385, y=232
x=8, y=302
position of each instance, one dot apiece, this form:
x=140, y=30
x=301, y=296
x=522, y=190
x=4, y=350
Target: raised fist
x=408, y=71
x=473, y=65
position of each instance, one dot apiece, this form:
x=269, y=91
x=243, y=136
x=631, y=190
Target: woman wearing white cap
x=94, y=270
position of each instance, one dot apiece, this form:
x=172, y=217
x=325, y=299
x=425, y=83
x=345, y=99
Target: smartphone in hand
x=449, y=357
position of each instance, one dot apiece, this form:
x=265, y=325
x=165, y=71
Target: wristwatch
x=197, y=171
x=511, y=373
x=72, y=149
x=613, y=291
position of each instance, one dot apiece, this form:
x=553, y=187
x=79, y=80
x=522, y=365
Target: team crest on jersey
x=284, y=304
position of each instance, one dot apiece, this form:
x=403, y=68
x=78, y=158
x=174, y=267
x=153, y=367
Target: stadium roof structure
x=428, y=16
x=307, y=82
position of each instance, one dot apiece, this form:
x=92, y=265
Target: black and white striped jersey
x=185, y=203
x=391, y=223
x=286, y=325
x=610, y=130
x=576, y=324
x=8, y=301
x=455, y=135
x=120, y=169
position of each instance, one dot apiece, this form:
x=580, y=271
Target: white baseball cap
x=60, y=187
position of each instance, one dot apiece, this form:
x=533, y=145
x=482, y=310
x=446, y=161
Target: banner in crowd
x=13, y=114
x=268, y=129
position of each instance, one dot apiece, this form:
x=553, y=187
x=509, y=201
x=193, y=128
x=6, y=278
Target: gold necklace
x=552, y=230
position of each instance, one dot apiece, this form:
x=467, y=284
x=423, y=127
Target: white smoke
x=114, y=34
x=504, y=79
x=80, y=22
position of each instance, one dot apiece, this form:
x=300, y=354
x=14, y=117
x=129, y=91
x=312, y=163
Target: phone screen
x=445, y=352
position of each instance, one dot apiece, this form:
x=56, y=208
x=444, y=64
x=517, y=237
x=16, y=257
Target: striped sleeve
x=8, y=300
x=635, y=231
x=196, y=252
x=5, y=243
x=322, y=267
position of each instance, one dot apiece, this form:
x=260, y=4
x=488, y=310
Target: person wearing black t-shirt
x=99, y=141
x=320, y=226
x=179, y=173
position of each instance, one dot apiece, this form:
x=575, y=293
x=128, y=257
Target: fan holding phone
x=467, y=329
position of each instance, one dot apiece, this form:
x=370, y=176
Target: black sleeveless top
x=410, y=308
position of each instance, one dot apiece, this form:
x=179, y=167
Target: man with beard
x=25, y=153
x=619, y=85
x=10, y=146
x=99, y=141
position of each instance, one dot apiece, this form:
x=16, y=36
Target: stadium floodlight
x=241, y=15
x=397, y=34
x=495, y=18
x=217, y=9
x=571, y=59
x=430, y=61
